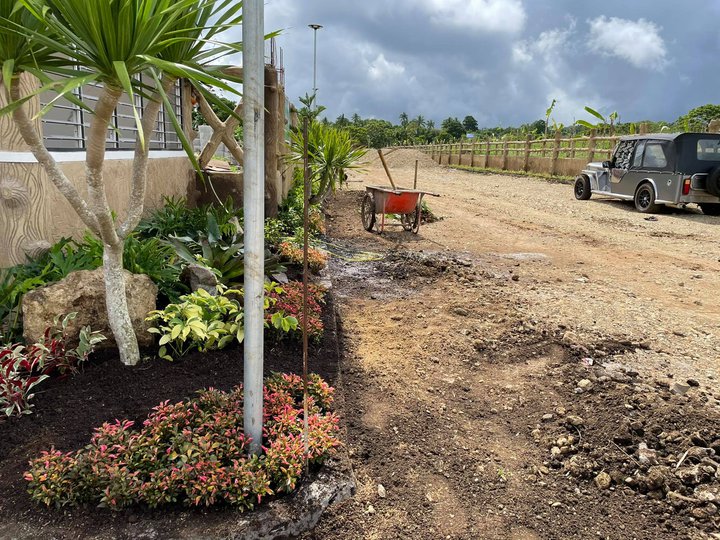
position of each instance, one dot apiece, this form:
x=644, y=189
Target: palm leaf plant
x=331, y=152
x=125, y=47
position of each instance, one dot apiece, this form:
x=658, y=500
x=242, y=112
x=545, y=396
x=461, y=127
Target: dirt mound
x=401, y=158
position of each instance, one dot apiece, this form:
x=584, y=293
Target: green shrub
x=204, y=322
x=193, y=452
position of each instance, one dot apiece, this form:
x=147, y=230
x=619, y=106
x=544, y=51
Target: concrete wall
x=33, y=211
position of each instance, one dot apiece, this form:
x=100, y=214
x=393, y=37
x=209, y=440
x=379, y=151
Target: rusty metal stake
x=306, y=219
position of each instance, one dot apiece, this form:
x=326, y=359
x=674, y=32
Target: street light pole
x=315, y=28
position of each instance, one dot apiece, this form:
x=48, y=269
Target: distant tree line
x=375, y=133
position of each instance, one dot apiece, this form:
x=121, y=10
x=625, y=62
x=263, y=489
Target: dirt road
x=530, y=366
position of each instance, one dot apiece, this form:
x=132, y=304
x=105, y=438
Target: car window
x=623, y=151
x=637, y=158
x=654, y=157
x=708, y=149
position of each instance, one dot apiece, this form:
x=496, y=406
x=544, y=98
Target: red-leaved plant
x=288, y=301
x=193, y=452
x=23, y=368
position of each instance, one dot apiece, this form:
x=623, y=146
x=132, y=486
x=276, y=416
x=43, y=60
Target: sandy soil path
x=473, y=347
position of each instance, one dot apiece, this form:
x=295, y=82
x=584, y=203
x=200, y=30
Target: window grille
x=66, y=124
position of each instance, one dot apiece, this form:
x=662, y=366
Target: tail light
x=686, y=186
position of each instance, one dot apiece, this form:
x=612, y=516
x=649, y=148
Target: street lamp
x=315, y=28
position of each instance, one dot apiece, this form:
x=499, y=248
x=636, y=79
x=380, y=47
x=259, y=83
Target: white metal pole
x=253, y=203
x=315, y=28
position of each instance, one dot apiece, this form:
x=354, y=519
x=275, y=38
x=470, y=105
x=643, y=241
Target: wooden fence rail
x=556, y=156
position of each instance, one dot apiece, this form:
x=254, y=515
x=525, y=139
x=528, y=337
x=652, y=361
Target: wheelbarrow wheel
x=368, y=211
x=411, y=221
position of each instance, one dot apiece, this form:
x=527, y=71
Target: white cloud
x=484, y=15
x=637, y=42
x=549, y=45
x=382, y=69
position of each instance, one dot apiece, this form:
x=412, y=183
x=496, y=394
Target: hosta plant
x=193, y=452
x=203, y=322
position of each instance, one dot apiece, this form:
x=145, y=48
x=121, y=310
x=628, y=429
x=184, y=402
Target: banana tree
x=131, y=47
x=609, y=121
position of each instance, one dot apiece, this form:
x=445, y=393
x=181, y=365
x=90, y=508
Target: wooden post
x=544, y=145
x=526, y=161
x=487, y=154
x=505, y=155
x=415, y=181
x=460, y=150
x=591, y=146
x=572, y=148
x=387, y=171
x=472, y=154
x=556, y=153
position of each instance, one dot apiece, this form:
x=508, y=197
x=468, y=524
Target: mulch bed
x=66, y=412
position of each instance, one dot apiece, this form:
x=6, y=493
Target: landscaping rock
x=83, y=292
x=200, y=277
x=603, y=480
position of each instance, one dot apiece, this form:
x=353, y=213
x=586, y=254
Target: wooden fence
x=556, y=156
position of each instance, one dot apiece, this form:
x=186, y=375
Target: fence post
x=505, y=155
x=472, y=154
x=556, y=154
x=526, y=161
x=487, y=154
x=591, y=146
x=572, y=147
x=460, y=154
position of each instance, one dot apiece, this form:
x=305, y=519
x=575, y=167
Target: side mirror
x=607, y=164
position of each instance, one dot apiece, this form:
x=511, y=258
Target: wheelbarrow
x=382, y=200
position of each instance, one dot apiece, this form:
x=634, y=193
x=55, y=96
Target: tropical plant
x=204, y=322
x=133, y=47
x=193, y=452
x=331, y=152
x=23, y=368
x=222, y=253
x=604, y=122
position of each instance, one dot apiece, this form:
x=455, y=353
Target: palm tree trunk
x=115, y=292
x=136, y=204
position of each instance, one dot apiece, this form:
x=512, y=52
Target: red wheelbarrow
x=382, y=200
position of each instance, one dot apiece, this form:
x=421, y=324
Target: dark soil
x=66, y=412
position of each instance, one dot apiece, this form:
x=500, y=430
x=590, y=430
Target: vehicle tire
x=368, y=211
x=582, y=188
x=645, y=199
x=712, y=183
x=710, y=209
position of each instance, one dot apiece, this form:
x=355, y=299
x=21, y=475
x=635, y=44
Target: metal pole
x=253, y=203
x=315, y=28
x=306, y=219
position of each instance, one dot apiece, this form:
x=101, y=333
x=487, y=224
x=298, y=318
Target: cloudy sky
x=502, y=61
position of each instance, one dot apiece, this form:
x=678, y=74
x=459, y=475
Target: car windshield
x=708, y=149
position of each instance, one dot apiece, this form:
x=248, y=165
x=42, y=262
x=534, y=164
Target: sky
x=502, y=61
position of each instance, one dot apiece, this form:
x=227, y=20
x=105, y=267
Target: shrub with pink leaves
x=193, y=452
x=288, y=301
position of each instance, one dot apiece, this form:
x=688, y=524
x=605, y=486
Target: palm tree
x=126, y=47
x=331, y=152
